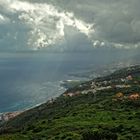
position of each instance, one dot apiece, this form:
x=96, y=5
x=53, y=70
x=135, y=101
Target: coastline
x=6, y=116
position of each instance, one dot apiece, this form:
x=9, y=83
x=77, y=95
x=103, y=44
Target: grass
x=79, y=116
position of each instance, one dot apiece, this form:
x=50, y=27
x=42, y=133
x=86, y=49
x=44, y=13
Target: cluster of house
x=8, y=116
x=100, y=86
x=117, y=83
x=71, y=94
x=121, y=96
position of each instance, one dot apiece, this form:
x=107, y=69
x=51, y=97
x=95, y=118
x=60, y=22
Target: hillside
x=105, y=108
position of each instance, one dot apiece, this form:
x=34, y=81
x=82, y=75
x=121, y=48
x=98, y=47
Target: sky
x=109, y=30
x=67, y=24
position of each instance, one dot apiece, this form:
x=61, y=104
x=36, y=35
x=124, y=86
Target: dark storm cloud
x=115, y=21
x=44, y=23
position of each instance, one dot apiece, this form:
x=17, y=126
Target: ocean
x=31, y=78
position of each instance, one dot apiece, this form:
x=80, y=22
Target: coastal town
x=9, y=115
x=105, y=84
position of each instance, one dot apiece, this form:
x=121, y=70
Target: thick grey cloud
x=116, y=21
x=44, y=23
x=38, y=25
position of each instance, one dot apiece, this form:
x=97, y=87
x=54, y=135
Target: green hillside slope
x=106, y=108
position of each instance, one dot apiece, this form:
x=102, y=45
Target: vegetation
x=81, y=117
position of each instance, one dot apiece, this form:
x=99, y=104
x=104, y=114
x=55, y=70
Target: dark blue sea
x=31, y=78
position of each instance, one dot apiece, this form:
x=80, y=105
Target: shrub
x=99, y=135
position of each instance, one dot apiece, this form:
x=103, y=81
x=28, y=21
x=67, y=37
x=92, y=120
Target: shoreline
x=8, y=115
